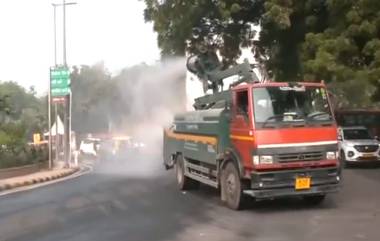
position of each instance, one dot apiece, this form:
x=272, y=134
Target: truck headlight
x=262, y=160
x=256, y=160
x=331, y=155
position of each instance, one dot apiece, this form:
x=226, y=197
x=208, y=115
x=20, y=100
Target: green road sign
x=60, y=81
x=60, y=91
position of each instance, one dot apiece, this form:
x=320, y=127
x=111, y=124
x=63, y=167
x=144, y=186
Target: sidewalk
x=38, y=177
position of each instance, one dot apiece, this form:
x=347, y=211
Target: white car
x=357, y=145
x=89, y=146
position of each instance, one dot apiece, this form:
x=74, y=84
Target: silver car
x=356, y=145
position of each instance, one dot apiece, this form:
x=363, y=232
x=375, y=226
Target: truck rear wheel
x=232, y=192
x=184, y=182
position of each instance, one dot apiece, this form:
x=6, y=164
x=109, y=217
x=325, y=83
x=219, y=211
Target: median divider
x=38, y=177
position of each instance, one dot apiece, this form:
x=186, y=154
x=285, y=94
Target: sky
x=112, y=31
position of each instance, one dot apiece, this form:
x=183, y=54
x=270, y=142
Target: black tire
x=231, y=185
x=343, y=160
x=184, y=182
x=315, y=199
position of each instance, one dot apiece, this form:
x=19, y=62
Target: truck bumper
x=266, y=185
x=363, y=159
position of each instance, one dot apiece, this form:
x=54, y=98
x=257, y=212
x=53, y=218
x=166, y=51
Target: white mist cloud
x=154, y=95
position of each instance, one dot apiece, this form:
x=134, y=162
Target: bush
x=21, y=156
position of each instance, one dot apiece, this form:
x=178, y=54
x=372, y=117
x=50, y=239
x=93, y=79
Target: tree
x=283, y=23
x=347, y=51
x=4, y=105
x=12, y=135
x=182, y=25
x=21, y=115
x=331, y=40
x=93, y=94
x=19, y=105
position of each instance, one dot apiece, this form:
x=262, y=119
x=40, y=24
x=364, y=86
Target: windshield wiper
x=316, y=114
x=279, y=116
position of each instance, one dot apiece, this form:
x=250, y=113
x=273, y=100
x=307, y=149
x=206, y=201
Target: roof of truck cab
x=278, y=84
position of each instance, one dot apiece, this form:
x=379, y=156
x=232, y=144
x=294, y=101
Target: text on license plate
x=368, y=155
x=302, y=183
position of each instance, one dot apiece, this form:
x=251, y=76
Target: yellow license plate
x=302, y=183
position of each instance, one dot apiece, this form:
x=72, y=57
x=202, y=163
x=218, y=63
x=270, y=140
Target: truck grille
x=366, y=148
x=305, y=156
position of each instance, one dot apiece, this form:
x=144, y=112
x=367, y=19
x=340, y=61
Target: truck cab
x=268, y=140
x=286, y=137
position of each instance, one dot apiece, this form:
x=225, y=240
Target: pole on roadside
x=70, y=137
x=67, y=103
x=67, y=100
x=56, y=132
x=49, y=110
x=55, y=104
x=55, y=33
x=64, y=33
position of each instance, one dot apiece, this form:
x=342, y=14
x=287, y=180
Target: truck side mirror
x=227, y=105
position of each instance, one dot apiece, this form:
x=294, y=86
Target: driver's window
x=242, y=103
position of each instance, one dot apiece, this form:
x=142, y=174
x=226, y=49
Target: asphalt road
x=140, y=202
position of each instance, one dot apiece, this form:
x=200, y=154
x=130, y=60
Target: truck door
x=241, y=133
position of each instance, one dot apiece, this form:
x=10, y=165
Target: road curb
x=36, y=180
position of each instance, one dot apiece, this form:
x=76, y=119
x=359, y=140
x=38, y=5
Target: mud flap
x=222, y=190
x=169, y=164
x=168, y=157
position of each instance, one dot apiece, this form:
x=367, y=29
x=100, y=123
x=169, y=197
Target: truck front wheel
x=343, y=160
x=232, y=192
x=184, y=182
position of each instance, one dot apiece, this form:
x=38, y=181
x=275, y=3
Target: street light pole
x=55, y=34
x=64, y=33
x=49, y=117
x=63, y=4
x=55, y=104
x=66, y=135
x=67, y=107
x=67, y=113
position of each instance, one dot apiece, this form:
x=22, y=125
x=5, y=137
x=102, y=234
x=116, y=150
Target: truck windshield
x=358, y=134
x=276, y=106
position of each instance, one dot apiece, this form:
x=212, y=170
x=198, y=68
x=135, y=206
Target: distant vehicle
x=357, y=145
x=89, y=146
x=121, y=145
x=137, y=144
x=105, y=152
x=119, y=148
x=360, y=117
